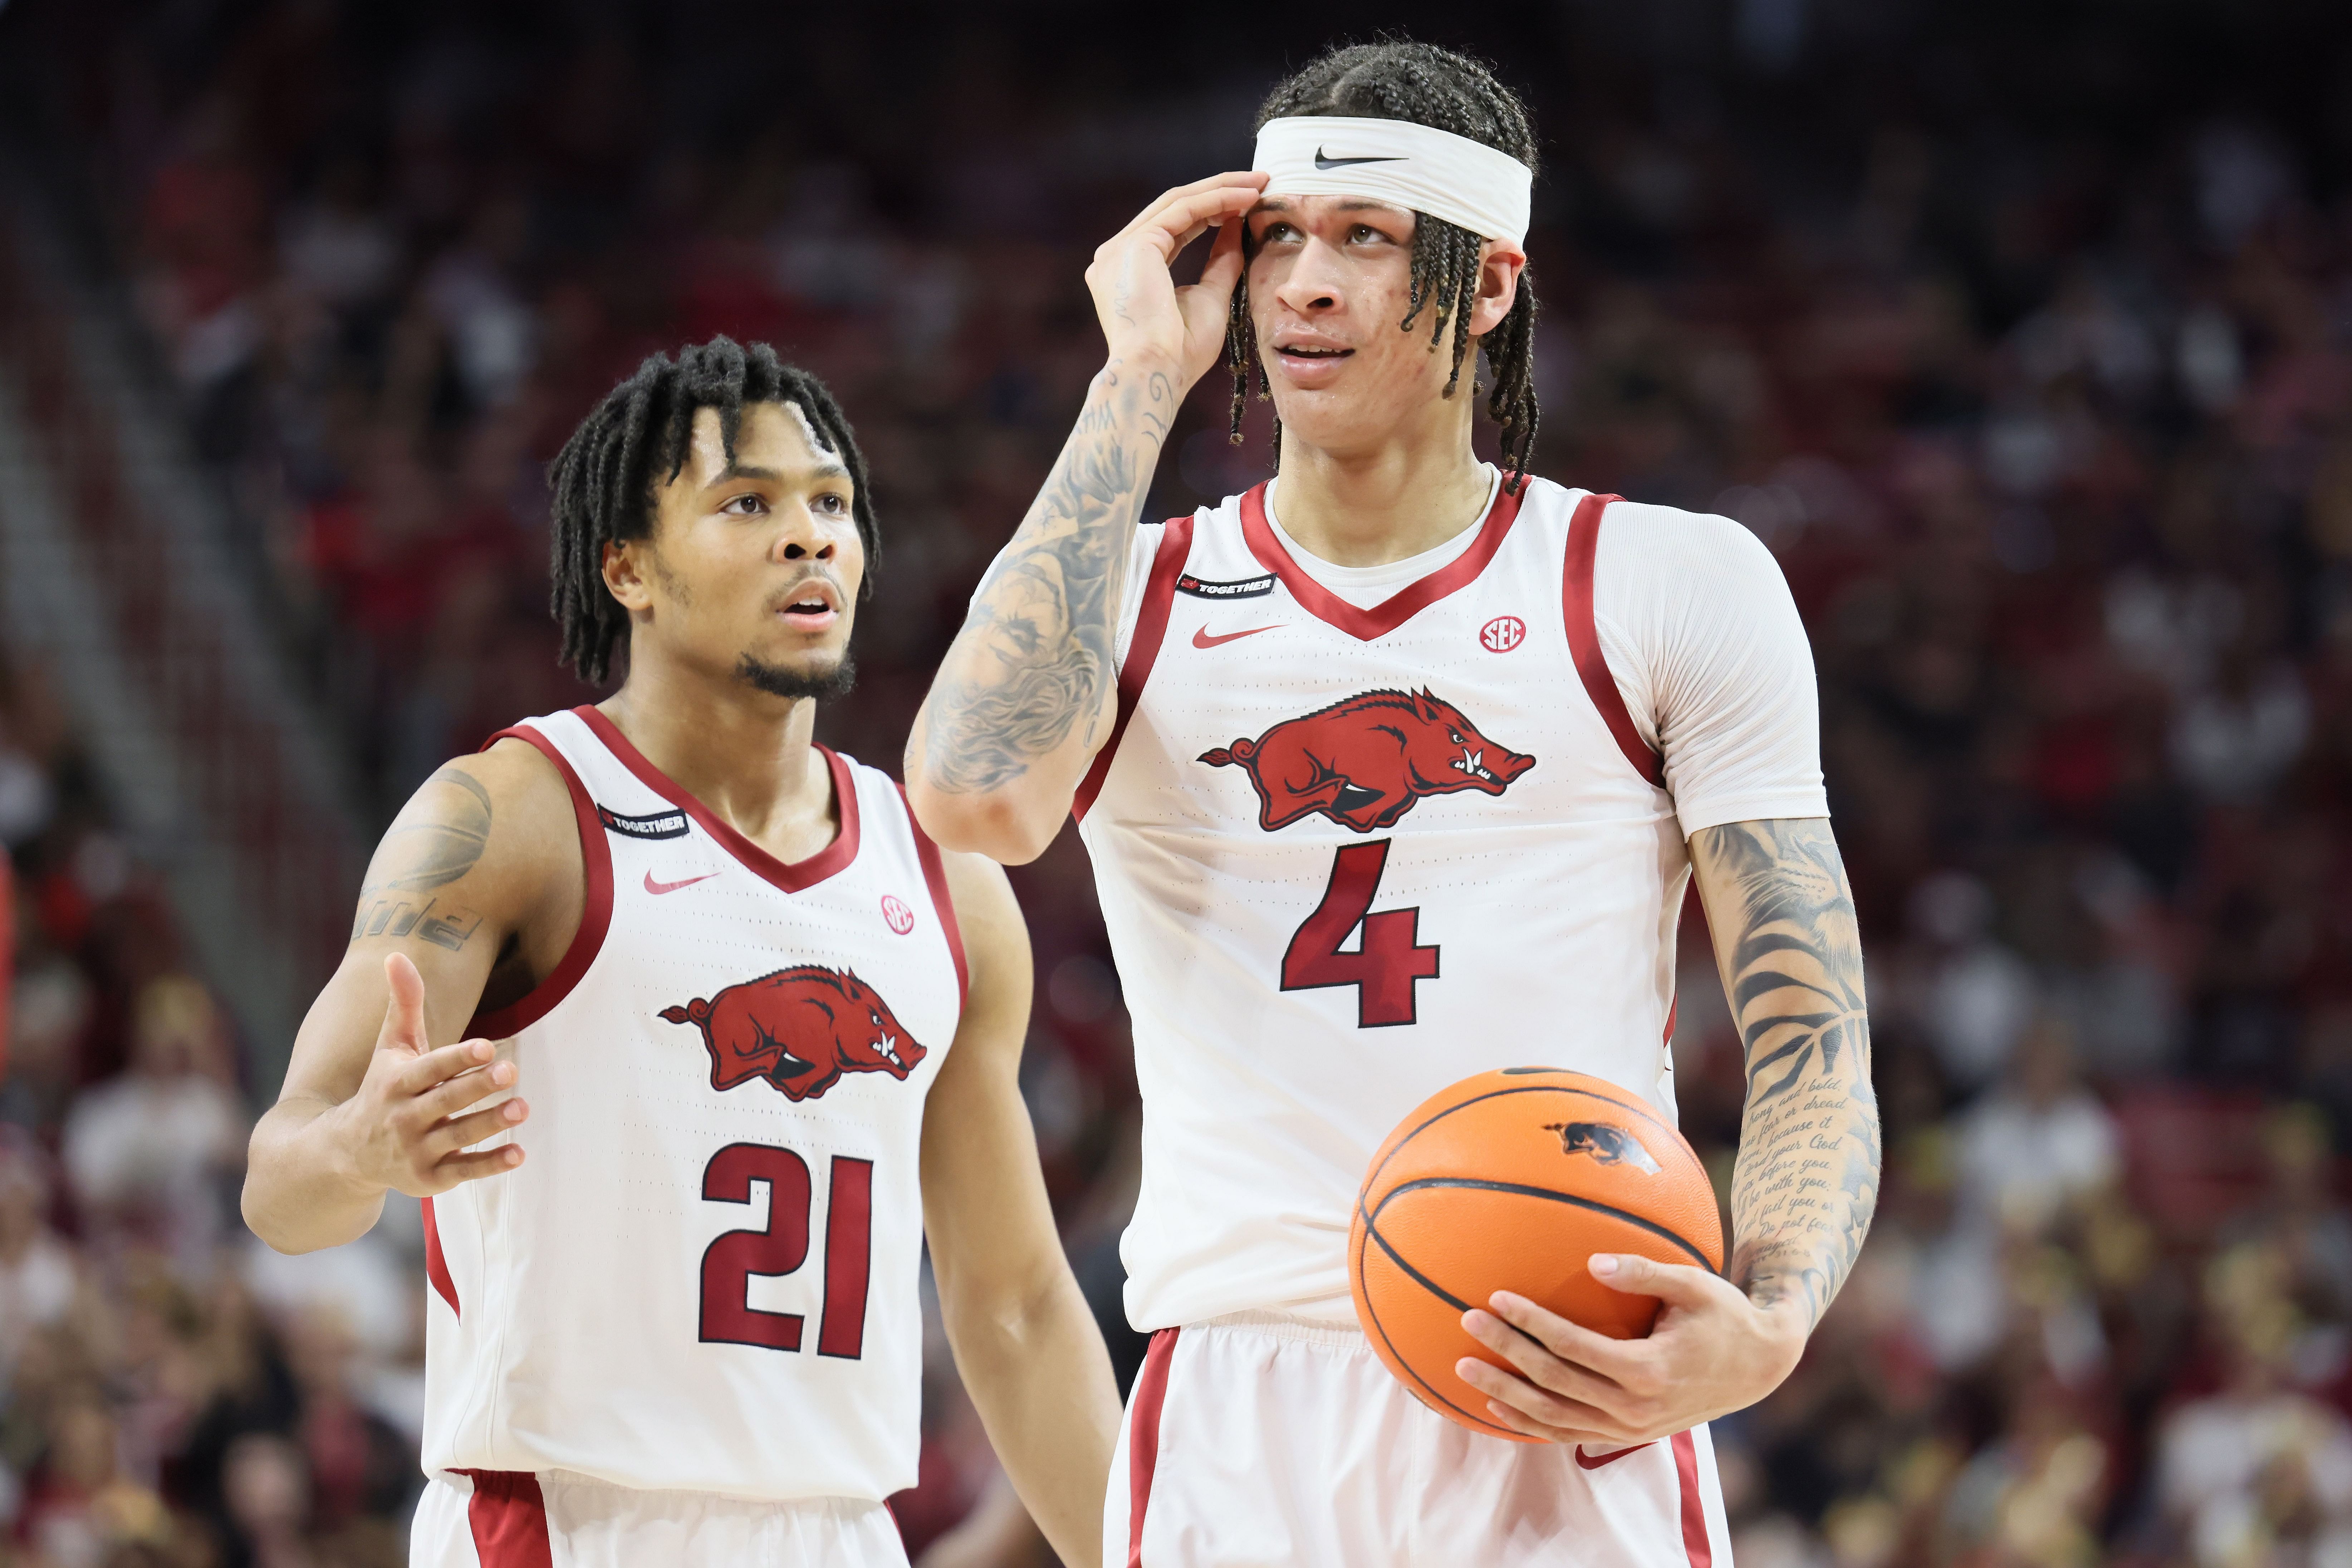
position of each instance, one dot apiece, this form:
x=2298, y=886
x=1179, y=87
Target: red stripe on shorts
x=1143, y=1438
x=1694, y=1542
x=509, y=1518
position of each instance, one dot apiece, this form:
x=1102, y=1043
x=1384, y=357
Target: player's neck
x=1388, y=502
x=749, y=757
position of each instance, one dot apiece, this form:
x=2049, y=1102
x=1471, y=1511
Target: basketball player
x=768, y=1033
x=1393, y=770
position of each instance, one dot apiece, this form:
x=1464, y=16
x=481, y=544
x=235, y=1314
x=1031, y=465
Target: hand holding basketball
x=1510, y=1184
x=1711, y=1351
x=404, y=1130
x=1145, y=316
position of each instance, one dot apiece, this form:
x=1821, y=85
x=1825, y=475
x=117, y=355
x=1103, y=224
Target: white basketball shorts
x=519, y=1519
x=1257, y=1441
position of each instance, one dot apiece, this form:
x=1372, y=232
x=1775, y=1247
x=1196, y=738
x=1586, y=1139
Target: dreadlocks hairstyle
x=637, y=439
x=1437, y=88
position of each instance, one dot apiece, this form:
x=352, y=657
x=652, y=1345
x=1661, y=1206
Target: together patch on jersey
x=1246, y=588
x=656, y=825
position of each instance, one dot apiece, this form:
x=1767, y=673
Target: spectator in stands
x=51, y=1015
x=358, y=1466
x=1977, y=994
x=7, y=944
x=2257, y=1472
x=2301, y=1215
x=38, y=1276
x=149, y=1152
x=268, y=1490
x=77, y=1506
x=2037, y=1146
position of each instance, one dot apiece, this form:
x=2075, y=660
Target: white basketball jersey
x=703, y=1276
x=1348, y=857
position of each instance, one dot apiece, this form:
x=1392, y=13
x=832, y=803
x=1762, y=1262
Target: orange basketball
x=1511, y=1181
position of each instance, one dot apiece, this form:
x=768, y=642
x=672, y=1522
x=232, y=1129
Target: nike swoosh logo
x=1322, y=162
x=658, y=888
x=1202, y=638
x=1591, y=1463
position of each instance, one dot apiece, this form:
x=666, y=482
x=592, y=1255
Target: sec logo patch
x=894, y=910
x=1502, y=634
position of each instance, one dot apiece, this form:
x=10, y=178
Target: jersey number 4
x=1387, y=961
x=728, y=1264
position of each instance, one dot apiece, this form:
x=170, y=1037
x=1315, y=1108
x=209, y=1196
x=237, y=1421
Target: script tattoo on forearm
x=1033, y=660
x=1806, y=1181
x=438, y=837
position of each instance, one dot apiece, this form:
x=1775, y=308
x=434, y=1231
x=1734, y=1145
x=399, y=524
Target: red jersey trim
x=1584, y=640
x=1696, y=1545
x=436, y=1265
x=1398, y=607
x=595, y=914
x=1143, y=653
x=798, y=876
x=935, y=876
x=507, y=1519
x=1143, y=1436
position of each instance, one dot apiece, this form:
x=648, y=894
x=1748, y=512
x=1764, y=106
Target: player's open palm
x=1145, y=315
x=410, y=1125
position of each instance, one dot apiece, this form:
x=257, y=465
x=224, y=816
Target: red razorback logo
x=1364, y=762
x=799, y=1029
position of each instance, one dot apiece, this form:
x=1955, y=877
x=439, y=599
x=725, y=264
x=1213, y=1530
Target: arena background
x=2022, y=332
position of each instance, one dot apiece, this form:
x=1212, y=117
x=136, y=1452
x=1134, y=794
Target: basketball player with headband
x=1394, y=769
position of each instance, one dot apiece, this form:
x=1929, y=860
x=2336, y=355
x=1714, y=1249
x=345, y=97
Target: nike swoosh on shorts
x=1583, y=1462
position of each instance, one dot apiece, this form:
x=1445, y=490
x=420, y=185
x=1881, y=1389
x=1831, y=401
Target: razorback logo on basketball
x=1367, y=761
x=1608, y=1145
x=799, y=1029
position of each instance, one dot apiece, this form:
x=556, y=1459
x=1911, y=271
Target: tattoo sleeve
x=438, y=837
x=1806, y=1181
x=1032, y=665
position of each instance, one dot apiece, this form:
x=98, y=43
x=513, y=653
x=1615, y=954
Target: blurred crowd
x=2044, y=404
x=171, y=1394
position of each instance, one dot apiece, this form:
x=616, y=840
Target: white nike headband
x=1417, y=167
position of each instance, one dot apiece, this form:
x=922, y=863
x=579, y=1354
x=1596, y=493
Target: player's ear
x=1498, y=286
x=625, y=576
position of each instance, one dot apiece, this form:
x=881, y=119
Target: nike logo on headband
x=1321, y=162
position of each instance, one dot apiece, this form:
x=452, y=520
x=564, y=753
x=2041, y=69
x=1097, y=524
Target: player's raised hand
x=408, y=1127
x=1144, y=314
x=1712, y=1351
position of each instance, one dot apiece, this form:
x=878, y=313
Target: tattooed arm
x=1807, y=1177
x=1802, y=1193
x=1027, y=692
x=473, y=896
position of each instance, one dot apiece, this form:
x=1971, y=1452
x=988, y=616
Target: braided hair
x=637, y=439
x=1400, y=80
